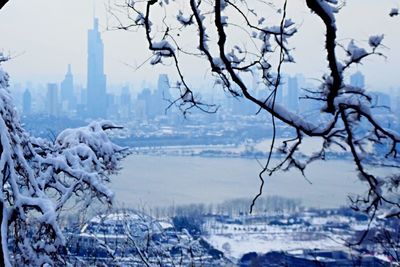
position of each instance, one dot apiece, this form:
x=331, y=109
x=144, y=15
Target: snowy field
x=237, y=239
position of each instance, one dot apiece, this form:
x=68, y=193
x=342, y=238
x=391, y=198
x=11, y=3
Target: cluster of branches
x=132, y=238
x=346, y=119
x=41, y=178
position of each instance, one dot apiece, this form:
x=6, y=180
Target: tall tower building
x=163, y=86
x=96, y=79
x=67, y=86
x=125, y=103
x=160, y=96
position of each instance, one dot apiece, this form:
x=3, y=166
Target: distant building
x=67, y=91
x=160, y=96
x=96, y=79
x=125, y=103
x=67, y=85
x=27, y=103
x=52, y=105
x=145, y=98
x=163, y=86
x=357, y=80
x=112, y=106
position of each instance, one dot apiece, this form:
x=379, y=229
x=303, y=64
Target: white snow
x=375, y=40
x=355, y=53
x=42, y=176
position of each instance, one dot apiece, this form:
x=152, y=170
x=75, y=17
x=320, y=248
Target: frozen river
x=148, y=181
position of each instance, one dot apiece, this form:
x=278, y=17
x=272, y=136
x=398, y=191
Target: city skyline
x=123, y=53
x=66, y=98
x=95, y=97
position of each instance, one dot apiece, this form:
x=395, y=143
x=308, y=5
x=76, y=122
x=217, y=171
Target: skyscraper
x=163, y=86
x=145, y=97
x=96, y=79
x=125, y=103
x=161, y=96
x=67, y=86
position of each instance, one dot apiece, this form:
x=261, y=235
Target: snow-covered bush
x=40, y=178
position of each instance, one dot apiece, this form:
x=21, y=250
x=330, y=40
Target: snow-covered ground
x=316, y=232
x=235, y=245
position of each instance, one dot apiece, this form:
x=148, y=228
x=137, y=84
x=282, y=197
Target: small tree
x=40, y=178
x=240, y=42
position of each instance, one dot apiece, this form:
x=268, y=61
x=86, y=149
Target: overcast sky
x=46, y=35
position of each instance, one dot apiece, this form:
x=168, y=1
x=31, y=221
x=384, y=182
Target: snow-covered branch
x=39, y=178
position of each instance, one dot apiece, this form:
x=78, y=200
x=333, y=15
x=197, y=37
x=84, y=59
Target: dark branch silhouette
x=346, y=120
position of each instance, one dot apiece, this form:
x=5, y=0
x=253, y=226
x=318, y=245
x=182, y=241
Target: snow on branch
x=40, y=177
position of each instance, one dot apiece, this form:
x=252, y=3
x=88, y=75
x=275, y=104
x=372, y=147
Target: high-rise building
x=163, y=86
x=67, y=85
x=27, y=102
x=145, y=98
x=52, y=106
x=67, y=89
x=357, y=80
x=161, y=95
x=96, y=79
x=125, y=103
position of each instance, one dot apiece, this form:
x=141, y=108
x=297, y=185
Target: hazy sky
x=46, y=35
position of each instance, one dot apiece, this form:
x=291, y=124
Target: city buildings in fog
x=150, y=101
